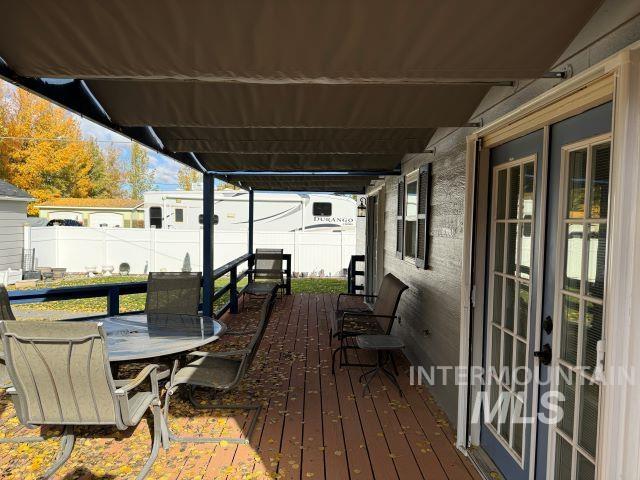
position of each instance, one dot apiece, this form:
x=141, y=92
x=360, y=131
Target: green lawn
x=129, y=303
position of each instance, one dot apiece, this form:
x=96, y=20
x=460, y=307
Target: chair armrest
x=229, y=353
x=130, y=384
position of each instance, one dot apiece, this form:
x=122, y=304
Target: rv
x=284, y=212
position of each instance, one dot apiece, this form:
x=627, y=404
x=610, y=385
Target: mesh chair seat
x=260, y=288
x=138, y=404
x=209, y=372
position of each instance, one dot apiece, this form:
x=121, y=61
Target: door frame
x=616, y=78
x=379, y=193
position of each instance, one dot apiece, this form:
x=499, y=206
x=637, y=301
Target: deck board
x=313, y=424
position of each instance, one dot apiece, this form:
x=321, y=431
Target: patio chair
x=60, y=374
x=173, y=292
x=5, y=314
x=348, y=323
x=266, y=274
x=222, y=372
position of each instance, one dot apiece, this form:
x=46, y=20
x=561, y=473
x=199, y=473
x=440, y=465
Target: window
x=321, y=209
x=155, y=217
x=179, y=214
x=411, y=218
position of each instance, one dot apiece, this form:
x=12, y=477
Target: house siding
x=430, y=309
x=13, y=216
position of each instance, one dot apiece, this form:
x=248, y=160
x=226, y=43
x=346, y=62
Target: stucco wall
x=430, y=310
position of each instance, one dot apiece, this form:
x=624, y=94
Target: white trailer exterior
x=283, y=212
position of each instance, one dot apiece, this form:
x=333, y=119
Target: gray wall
x=430, y=310
x=13, y=216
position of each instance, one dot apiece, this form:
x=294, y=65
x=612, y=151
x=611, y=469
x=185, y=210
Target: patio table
x=141, y=336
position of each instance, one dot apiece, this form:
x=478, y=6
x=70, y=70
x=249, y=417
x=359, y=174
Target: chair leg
x=158, y=433
x=256, y=409
x=66, y=447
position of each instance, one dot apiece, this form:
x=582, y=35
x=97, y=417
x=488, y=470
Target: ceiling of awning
x=286, y=86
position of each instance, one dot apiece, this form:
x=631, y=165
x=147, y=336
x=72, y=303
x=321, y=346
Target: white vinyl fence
x=77, y=248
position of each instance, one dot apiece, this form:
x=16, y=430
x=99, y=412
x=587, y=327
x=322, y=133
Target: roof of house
x=93, y=202
x=8, y=190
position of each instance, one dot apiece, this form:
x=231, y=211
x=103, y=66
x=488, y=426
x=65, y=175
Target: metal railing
x=113, y=291
x=353, y=273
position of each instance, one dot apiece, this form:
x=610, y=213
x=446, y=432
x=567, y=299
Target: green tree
x=139, y=175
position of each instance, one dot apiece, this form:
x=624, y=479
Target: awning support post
x=207, y=245
x=251, y=199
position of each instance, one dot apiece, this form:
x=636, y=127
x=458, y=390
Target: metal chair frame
x=121, y=418
x=247, y=356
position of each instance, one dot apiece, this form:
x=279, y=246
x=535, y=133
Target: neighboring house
x=13, y=217
x=96, y=212
x=497, y=220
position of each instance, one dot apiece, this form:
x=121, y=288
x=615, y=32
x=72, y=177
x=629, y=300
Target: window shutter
x=424, y=184
x=400, y=219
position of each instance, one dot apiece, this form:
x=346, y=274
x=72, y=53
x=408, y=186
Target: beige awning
x=287, y=85
x=284, y=41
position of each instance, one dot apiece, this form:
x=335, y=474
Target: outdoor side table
x=384, y=346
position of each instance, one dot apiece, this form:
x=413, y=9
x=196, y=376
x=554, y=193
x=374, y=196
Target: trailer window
x=322, y=209
x=201, y=219
x=155, y=217
x=179, y=214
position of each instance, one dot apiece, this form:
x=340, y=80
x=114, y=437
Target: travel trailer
x=286, y=212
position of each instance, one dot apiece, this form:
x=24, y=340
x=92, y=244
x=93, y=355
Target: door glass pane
x=569, y=329
x=586, y=469
x=512, y=243
x=597, y=258
x=577, y=179
x=588, y=417
x=499, y=251
x=509, y=303
x=563, y=459
x=567, y=388
x=495, y=348
x=528, y=194
x=523, y=310
x=514, y=191
x=573, y=257
x=497, y=300
x=600, y=155
x=591, y=333
x=520, y=367
x=507, y=359
x=524, y=259
x=505, y=426
x=493, y=394
x=516, y=418
x=501, y=199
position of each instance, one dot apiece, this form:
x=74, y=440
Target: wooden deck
x=313, y=425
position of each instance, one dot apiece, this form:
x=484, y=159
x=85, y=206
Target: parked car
x=63, y=222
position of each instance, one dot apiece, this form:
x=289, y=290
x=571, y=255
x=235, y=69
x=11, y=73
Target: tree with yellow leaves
x=187, y=177
x=42, y=149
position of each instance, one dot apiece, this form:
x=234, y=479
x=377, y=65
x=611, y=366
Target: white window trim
x=588, y=143
x=619, y=441
x=518, y=458
x=409, y=178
